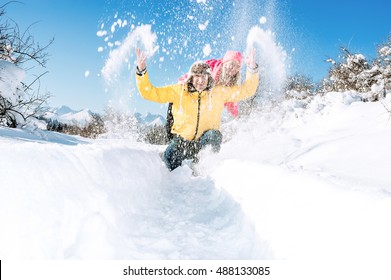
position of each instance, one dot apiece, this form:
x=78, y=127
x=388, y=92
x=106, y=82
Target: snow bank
x=314, y=180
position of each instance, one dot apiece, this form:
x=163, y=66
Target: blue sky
x=309, y=31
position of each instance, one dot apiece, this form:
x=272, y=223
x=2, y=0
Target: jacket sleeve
x=240, y=92
x=156, y=94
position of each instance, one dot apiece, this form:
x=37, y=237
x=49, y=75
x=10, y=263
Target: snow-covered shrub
x=355, y=73
x=11, y=92
x=299, y=87
x=383, y=63
x=349, y=73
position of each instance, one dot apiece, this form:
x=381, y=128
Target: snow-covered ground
x=291, y=183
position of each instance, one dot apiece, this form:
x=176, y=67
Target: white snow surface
x=290, y=183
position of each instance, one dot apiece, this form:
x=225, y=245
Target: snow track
x=107, y=200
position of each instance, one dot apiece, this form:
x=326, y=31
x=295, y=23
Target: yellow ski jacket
x=196, y=112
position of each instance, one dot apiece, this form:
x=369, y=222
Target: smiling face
x=200, y=81
x=230, y=73
x=200, y=77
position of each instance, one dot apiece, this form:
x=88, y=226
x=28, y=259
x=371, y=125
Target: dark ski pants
x=180, y=149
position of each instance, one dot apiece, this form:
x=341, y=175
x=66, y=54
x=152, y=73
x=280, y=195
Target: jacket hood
x=233, y=55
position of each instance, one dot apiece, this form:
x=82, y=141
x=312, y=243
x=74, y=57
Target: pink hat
x=233, y=55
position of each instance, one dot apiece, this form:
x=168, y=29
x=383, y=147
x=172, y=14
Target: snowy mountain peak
x=68, y=115
x=63, y=110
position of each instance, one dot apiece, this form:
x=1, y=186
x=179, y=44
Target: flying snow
x=101, y=33
x=118, y=56
x=207, y=50
x=262, y=20
x=271, y=55
x=202, y=26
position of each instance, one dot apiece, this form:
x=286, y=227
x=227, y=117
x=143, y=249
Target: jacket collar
x=196, y=93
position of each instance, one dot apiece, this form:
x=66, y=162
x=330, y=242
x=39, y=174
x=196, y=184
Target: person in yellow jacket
x=197, y=106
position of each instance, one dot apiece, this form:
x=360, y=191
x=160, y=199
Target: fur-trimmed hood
x=199, y=67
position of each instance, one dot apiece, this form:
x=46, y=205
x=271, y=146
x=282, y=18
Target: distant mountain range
x=65, y=114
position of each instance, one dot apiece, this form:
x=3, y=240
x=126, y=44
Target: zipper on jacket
x=198, y=115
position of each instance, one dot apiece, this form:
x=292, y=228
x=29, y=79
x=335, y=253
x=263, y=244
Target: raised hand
x=141, y=60
x=250, y=59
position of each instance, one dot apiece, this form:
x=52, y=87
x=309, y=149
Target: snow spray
x=177, y=37
x=271, y=59
x=121, y=63
x=120, y=56
x=116, y=73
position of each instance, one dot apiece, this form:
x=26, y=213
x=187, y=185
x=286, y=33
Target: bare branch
x=36, y=79
x=9, y=2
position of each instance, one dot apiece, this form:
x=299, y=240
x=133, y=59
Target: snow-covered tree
x=19, y=101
